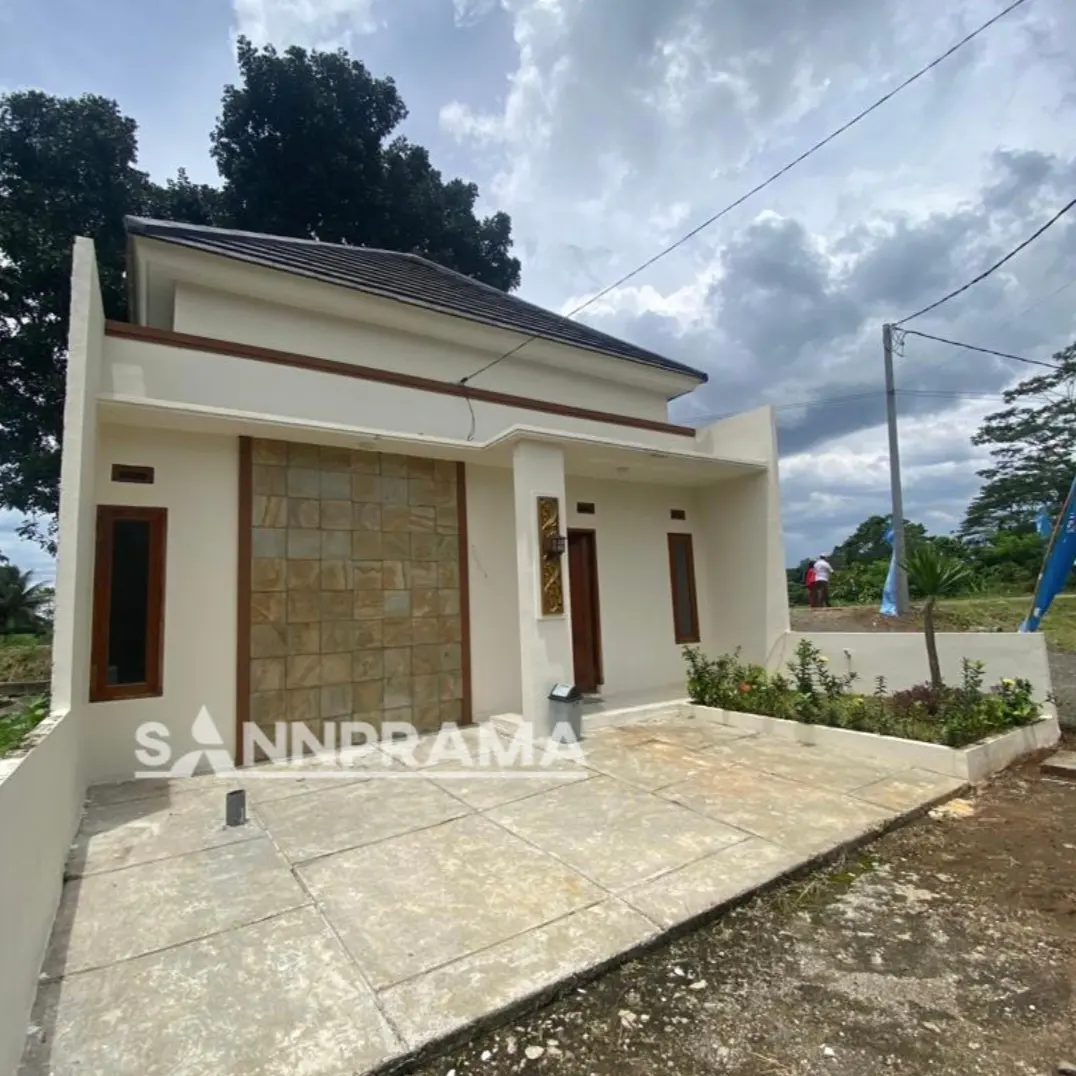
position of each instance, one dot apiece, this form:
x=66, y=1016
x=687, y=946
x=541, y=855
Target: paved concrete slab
x=126, y=832
x=691, y=733
x=281, y=780
x=477, y=986
x=274, y=999
x=351, y=814
x=809, y=765
x=423, y=899
x=1061, y=764
x=909, y=790
x=126, y=913
x=613, y=833
x=647, y=764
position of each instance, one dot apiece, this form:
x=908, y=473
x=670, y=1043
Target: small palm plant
x=22, y=601
x=934, y=574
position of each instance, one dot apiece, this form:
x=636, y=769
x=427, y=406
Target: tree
x=22, y=602
x=1033, y=449
x=303, y=146
x=933, y=575
x=867, y=542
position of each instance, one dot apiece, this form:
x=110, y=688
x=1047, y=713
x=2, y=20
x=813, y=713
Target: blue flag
x=1043, y=524
x=889, y=591
x=1058, y=564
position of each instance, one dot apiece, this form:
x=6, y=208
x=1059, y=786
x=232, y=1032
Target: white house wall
x=226, y=316
x=197, y=480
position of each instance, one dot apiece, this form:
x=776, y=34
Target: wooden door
x=586, y=619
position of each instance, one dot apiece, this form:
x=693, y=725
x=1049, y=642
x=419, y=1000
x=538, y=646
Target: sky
x=608, y=128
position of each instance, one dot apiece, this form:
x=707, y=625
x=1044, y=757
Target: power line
x=760, y=186
x=1040, y=302
x=997, y=265
x=984, y=350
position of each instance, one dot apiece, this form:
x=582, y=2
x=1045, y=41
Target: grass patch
x=15, y=727
x=24, y=658
x=1006, y=614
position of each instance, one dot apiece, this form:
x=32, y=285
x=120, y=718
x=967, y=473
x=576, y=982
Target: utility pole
x=899, y=550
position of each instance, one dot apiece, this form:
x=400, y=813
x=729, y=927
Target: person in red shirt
x=810, y=579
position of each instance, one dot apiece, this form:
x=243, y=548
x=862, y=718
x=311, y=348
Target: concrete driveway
x=355, y=921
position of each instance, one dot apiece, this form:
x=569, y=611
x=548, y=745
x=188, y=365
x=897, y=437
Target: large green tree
x=1033, y=452
x=305, y=147
x=867, y=542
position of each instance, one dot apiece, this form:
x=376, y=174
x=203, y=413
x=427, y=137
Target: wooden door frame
x=599, y=661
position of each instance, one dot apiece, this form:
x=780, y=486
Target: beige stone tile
x=336, y=701
x=424, y=547
x=267, y=674
x=300, y=455
x=268, y=480
x=304, y=670
x=401, y=715
x=420, y=467
x=444, y=494
x=304, y=544
x=368, y=517
x=304, y=606
x=424, y=631
x=420, y=491
x=368, y=634
x=426, y=659
x=398, y=692
x=396, y=632
x=269, y=511
x=452, y=710
x=304, y=574
x=304, y=513
x=303, y=482
x=448, y=602
x=336, y=515
x=448, y=547
x=369, y=665
x=263, y=450
x=366, y=604
x=379, y=910
x=395, y=517
x=291, y=965
x=304, y=704
x=336, y=575
x=335, y=545
x=168, y=903
x=268, y=607
x=422, y=519
x=397, y=547
x=448, y=521
x=421, y=575
x=394, y=465
x=448, y=574
x=336, y=669
x=269, y=542
x=268, y=641
x=365, y=462
x=427, y=691
x=908, y=790
x=451, y=657
x=304, y=638
x=426, y=717
x=334, y=459
x=366, y=545
x=424, y=603
x=396, y=603
x=393, y=490
x=433, y=1005
x=267, y=573
x=368, y=697
x=335, y=486
x=398, y=661
x=368, y=574
x=268, y=707
x=449, y=629
x=366, y=488
x=392, y=575
x=629, y=835
x=336, y=605
x=445, y=470
x=451, y=685
x=337, y=635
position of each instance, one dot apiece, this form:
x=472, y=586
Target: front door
x=586, y=622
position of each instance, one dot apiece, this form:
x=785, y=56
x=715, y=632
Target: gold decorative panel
x=552, y=568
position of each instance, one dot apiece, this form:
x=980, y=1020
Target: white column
x=545, y=642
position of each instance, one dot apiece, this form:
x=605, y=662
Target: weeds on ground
x=15, y=727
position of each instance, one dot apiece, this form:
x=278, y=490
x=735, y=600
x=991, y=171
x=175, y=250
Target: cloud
x=312, y=23
x=26, y=555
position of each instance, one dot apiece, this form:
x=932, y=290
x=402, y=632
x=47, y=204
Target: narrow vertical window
x=682, y=573
x=128, y=603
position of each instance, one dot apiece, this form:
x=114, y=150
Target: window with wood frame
x=682, y=577
x=127, y=659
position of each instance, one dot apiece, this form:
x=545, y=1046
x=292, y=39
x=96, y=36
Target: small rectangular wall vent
x=585, y=508
x=129, y=472
x=677, y=513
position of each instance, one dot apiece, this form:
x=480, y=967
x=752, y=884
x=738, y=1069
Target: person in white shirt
x=822, y=571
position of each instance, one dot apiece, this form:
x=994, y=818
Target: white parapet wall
x=901, y=657
x=41, y=794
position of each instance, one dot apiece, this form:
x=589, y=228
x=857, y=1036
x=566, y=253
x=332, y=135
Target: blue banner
x=1044, y=525
x=889, y=591
x=1058, y=564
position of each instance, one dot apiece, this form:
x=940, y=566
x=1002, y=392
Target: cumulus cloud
x=326, y=24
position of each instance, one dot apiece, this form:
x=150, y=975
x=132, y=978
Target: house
x=288, y=495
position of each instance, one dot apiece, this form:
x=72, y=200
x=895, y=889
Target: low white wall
x=41, y=797
x=901, y=657
x=197, y=480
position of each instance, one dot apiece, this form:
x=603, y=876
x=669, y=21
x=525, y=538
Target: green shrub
x=16, y=726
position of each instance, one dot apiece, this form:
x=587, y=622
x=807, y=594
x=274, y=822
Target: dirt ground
x=947, y=947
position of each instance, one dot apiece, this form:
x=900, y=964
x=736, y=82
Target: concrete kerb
x=973, y=763
x=551, y=992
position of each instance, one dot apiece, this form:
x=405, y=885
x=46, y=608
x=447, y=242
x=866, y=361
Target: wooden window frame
x=675, y=540
x=153, y=686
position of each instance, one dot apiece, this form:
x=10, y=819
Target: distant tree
x=1033, y=448
x=303, y=145
x=22, y=602
x=933, y=575
x=867, y=542
x=181, y=199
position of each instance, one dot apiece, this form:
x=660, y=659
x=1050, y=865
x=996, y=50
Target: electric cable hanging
x=760, y=186
x=975, y=347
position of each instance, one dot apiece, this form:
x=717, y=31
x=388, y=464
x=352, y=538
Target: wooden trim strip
x=242, y=593
x=467, y=712
x=150, y=335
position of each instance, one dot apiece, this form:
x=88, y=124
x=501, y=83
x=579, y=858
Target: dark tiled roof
x=405, y=277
